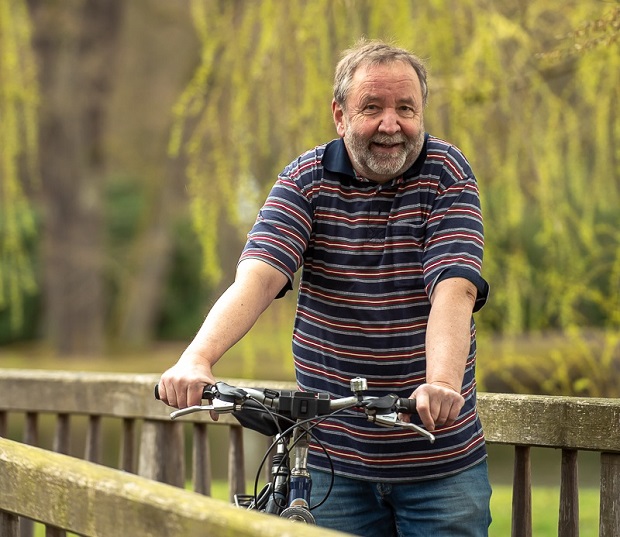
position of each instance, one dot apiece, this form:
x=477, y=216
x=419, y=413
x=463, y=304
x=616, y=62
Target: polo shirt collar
x=336, y=159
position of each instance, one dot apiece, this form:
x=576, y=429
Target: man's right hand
x=182, y=385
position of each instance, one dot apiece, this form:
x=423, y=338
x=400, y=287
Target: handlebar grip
x=207, y=392
x=405, y=405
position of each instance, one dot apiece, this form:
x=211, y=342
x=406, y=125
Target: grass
x=545, y=509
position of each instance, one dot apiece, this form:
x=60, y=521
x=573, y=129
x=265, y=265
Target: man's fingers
x=437, y=406
x=424, y=410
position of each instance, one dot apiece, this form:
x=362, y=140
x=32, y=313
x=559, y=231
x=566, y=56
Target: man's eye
x=407, y=111
x=371, y=108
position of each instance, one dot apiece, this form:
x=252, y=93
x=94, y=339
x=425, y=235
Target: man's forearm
x=448, y=335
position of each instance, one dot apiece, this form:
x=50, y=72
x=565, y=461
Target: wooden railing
x=152, y=446
x=69, y=494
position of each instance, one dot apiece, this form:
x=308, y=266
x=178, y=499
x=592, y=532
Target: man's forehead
x=382, y=75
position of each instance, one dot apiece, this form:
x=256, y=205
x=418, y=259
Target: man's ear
x=338, y=115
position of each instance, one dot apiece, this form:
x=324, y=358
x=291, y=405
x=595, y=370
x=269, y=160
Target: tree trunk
x=154, y=75
x=75, y=44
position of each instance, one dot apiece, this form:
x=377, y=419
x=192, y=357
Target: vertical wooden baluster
x=93, y=440
x=610, y=495
x=522, y=493
x=4, y=423
x=201, y=469
x=127, y=453
x=31, y=429
x=52, y=531
x=162, y=452
x=236, y=465
x=62, y=436
x=9, y=524
x=568, y=524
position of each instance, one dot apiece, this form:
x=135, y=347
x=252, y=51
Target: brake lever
x=391, y=420
x=218, y=406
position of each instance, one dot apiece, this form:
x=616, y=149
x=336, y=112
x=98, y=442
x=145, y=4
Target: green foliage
x=543, y=135
x=18, y=150
x=577, y=361
x=527, y=90
x=545, y=509
x=186, y=292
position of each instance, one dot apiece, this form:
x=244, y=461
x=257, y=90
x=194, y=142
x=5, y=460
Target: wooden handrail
x=567, y=423
x=94, y=501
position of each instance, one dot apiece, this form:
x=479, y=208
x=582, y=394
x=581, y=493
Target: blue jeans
x=455, y=506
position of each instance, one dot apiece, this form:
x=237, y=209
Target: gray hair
x=374, y=52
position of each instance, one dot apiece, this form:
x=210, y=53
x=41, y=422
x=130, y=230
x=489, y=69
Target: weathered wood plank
x=62, y=435
x=236, y=463
x=201, y=455
x=4, y=422
x=522, y=493
x=552, y=421
x=92, y=451
x=9, y=524
x=31, y=429
x=118, y=395
x=92, y=500
x=560, y=422
x=162, y=453
x=127, y=452
x=568, y=522
x=610, y=495
x=53, y=531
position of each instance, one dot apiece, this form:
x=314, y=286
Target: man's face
x=383, y=124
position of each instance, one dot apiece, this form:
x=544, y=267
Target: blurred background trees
x=162, y=126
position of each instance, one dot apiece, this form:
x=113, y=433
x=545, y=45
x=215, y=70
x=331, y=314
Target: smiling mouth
x=387, y=146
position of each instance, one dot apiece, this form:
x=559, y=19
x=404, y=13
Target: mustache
x=386, y=139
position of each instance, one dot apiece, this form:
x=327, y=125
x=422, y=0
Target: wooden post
x=236, y=466
x=201, y=469
x=522, y=493
x=162, y=455
x=610, y=495
x=127, y=453
x=568, y=523
x=93, y=440
x=62, y=439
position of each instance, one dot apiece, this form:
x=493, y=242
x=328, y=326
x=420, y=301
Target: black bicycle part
x=390, y=403
x=406, y=405
x=253, y=415
x=207, y=392
x=278, y=494
x=303, y=405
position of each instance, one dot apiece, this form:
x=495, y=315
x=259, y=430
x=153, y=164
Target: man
x=386, y=223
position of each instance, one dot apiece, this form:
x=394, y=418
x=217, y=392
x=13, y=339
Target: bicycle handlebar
x=296, y=405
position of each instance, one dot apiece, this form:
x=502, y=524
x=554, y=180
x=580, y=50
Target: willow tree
x=530, y=97
x=537, y=121
x=18, y=153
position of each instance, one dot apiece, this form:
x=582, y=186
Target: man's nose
x=389, y=122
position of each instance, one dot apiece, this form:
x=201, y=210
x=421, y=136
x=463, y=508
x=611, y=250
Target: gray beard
x=371, y=164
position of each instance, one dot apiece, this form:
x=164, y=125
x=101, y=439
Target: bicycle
x=290, y=416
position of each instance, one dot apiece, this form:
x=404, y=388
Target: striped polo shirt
x=370, y=256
